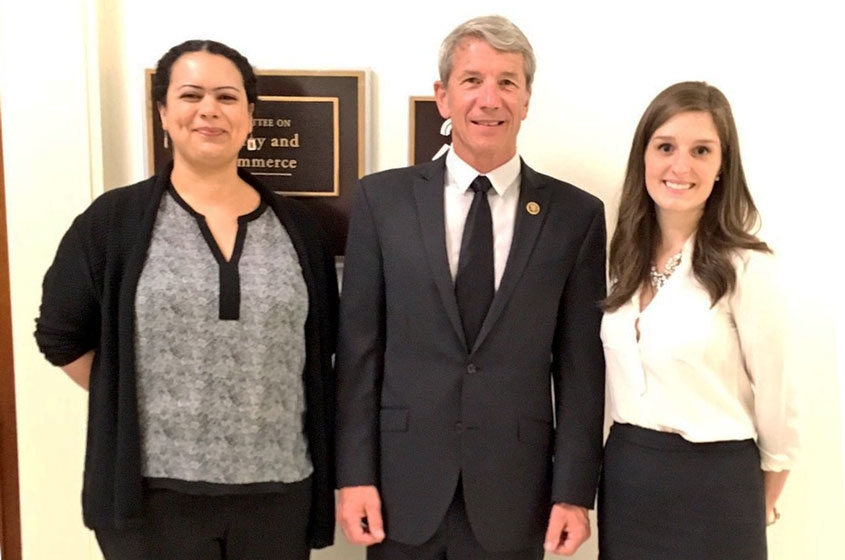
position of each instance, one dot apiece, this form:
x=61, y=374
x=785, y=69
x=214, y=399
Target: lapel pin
x=532, y=208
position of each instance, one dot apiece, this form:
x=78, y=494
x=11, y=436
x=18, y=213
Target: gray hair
x=499, y=32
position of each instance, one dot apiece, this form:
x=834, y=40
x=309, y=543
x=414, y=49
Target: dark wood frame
x=10, y=511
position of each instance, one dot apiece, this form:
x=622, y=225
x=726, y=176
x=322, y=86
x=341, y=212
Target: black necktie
x=474, y=281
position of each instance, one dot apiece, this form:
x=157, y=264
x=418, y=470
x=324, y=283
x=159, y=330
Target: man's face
x=486, y=97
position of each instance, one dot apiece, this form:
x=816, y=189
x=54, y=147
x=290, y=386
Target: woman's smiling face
x=207, y=114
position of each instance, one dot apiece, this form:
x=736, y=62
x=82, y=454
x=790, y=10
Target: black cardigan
x=88, y=304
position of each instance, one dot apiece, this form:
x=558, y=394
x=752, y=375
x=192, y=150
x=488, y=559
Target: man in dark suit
x=470, y=369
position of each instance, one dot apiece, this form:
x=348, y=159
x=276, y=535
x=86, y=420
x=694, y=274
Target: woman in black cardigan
x=199, y=309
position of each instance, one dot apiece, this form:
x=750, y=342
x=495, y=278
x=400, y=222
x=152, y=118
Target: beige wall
x=48, y=180
x=598, y=66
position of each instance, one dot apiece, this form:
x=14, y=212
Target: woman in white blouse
x=704, y=428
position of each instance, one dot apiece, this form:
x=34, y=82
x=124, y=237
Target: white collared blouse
x=708, y=372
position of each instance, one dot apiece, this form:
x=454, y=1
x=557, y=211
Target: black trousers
x=664, y=498
x=179, y=526
x=453, y=540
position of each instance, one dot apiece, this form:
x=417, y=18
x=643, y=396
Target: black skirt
x=662, y=497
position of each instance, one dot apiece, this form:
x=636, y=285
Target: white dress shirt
x=707, y=373
x=503, y=199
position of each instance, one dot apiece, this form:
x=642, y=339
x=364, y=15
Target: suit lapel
x=526, y=229
x=428, y=195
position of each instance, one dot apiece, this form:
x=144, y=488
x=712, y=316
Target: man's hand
x=359, y=515
x=569, y=526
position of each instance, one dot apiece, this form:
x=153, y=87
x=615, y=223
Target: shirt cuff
x=774, y=462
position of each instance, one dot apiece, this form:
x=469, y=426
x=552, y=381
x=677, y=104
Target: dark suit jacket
x=520, y=417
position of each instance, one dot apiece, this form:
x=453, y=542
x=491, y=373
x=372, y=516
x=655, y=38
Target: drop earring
x=166, y=140
x=251, y=143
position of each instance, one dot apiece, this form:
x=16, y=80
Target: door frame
x=10, y=518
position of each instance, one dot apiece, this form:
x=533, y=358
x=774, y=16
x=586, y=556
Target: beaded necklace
x=658, y=279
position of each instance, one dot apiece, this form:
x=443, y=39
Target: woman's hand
x=773, y=483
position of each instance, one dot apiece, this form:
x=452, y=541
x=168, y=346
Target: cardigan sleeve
x=760, y=308
x=68, y=324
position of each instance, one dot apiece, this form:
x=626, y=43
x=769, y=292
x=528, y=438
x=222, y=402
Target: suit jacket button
x=471, y=368
x=459, y=427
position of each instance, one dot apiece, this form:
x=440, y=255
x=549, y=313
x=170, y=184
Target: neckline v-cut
x=212, y=243
x=230, y=289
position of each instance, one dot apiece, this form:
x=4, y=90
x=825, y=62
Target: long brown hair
x=729, y=217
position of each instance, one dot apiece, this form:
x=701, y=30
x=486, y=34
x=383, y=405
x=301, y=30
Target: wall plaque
x=430, y=134
x=294, y=145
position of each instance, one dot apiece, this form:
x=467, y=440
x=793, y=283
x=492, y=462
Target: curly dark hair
x=161, y=78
